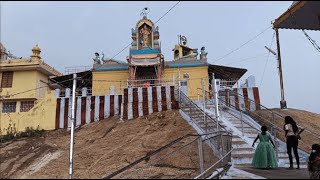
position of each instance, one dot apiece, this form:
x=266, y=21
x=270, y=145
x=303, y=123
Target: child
x=264, y=156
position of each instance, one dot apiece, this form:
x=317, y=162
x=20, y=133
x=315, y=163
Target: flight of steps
x=243, y=152
x=197, y=117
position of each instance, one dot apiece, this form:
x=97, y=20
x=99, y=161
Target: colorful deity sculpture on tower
x=145, y=59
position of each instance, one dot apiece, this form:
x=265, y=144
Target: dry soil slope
x=100, y=148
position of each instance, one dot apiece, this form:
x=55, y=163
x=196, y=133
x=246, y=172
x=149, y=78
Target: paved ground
x=279, y=173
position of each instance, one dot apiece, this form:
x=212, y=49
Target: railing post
x=215, y=91
x=200, y=154
x=241, y=119
x=276, y=143
x=222, y=144
x=179, y=83
x=272, y=117
x=204, y=106
x=198, y=95
x=190, y=108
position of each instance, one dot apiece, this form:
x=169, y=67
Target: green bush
x=13, y=134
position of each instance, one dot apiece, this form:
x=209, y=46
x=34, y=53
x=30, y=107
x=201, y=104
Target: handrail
x=305, y=129
x=245, y=112
x=161, y=149
x=195, y=105
x=204, y=172
x=259, y=130
x=264, y=121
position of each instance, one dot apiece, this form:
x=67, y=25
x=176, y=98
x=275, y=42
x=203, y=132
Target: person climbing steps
x=264, y=156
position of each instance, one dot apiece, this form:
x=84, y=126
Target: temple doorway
x=146, y=76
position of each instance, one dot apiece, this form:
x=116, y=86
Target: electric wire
x=265, y=66
x=22, y=92
x=131, y=42
x=246, y=59
x=236, y=49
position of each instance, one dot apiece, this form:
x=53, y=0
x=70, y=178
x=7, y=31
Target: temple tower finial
x=36, y=52
x=144, y=12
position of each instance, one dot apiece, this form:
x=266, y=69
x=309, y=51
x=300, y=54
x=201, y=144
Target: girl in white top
x=291, y=131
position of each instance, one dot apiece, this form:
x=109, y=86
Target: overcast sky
x=69, y=33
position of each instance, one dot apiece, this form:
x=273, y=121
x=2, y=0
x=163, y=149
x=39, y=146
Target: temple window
x=9, y=107
x=7, y=78
x=26, y=106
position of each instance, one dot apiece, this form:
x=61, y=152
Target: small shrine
x=145, y=59
x=145, y=65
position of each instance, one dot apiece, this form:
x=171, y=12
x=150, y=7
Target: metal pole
x=283, y=103
x=179, y=84
x=276, y=143
x=272, y=117
x=204, y=106
x=72, y=126
x=241, y=122
x=200, y=155
x=215, y=92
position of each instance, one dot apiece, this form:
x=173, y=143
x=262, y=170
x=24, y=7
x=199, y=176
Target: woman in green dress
x=264, y=156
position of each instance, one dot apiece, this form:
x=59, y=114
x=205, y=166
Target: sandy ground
x=102, y=148
x=310, y=121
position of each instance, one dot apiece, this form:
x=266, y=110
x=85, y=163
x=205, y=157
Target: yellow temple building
x=146, y=66
x=29, y=98
x=24, y=88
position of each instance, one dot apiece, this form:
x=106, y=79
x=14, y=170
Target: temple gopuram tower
x=145, y=60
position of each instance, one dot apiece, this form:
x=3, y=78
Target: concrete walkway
x=279, y=173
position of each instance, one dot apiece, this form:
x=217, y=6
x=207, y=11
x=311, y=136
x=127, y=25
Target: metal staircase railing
x=197, y=115
x=274, y=129
x=200, y=161
x=204, y=121
x=272, y=118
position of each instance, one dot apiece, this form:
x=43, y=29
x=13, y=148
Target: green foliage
x=13, y=134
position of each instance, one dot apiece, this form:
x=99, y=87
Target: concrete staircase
x=243, y=152
x=204, y=121
x=198, y=118
x=243, y=133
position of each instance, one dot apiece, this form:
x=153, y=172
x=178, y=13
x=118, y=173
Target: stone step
x=237, y=142
x=240, y=126
x=249, y=153
x=240, y=145
x=237, y=139
x=248, y=164
x=237, y=123
x=244, y=148
x=210, y=123
x=242, y=155
x=251, y=135
x=250, y=131
x=247, y=159
x=232, y=118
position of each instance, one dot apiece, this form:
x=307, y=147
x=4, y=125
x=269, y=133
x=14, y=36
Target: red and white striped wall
x=143, y=101
x=243, y=98
x=88, y=109
x=135, y=102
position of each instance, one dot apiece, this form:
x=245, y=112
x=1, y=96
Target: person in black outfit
x=314, y=162
x=291, y=131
